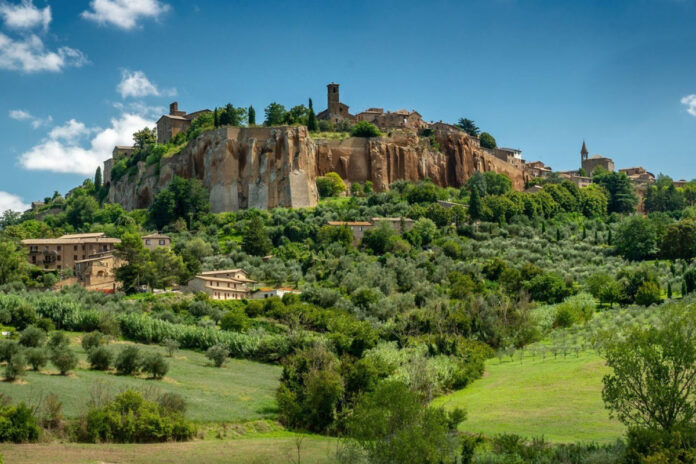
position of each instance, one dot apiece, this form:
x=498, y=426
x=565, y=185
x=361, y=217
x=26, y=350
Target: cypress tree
x=255, y=240
x=543, y=228
x=584, y=232
x=311, y=106
x=596, y=237
x=252, y=116
x=216, y=117
x=98, y=179
x=683, y=288
x=558, y=234
x=609, y=238
x=475, y=204
x=312, y=123
x=669, y=290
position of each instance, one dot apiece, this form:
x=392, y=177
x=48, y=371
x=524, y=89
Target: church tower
x=332, y=98
x=583, y=152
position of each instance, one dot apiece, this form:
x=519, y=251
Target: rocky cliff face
x=263, y=167
x=254, y=167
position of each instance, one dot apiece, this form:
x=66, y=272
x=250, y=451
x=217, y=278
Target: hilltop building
x=176, y=121
x=589, y=164
x=51, y=254
x=337, y=112
x=639, y=175
x=227, y=284
x=537, y=169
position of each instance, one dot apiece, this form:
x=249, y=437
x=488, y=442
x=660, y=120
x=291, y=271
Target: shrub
x=330, y=185
x=172, y=403
x=234, y=320
x=656, y=446
x=217, y=354
x=57, y=340
x=100, y=358
x=32, y=337
x=365, y=129
x=93, y=340
x=15, y=366
x=45, y=324
x=130, y=418
x=155, y=365
x=37, y=358
x=64, y=359
x=171, y=346
x=18, y=424
x=487, y=141
x=128, y=360
x=8, y=348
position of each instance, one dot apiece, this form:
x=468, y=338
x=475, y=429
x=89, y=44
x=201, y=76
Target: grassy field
x=275, y=448
x=241, y=390
x=558, y=398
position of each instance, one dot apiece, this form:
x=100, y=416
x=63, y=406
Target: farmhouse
x=228, y=284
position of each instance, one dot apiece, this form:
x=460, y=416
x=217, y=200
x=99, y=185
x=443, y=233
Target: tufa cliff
x=266, y=167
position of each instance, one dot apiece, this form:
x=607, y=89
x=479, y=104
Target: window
x=161, y=242
x=34, y=248
x=74, y=257
x=58, y=248
x=33, y=259
x=75, y=248
x=147, y=241
x=58, y=258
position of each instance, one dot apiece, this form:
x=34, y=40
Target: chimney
x=173, y=107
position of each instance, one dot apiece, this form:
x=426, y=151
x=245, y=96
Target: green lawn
x=275, y=448
x=241, y=390
x=557, y=398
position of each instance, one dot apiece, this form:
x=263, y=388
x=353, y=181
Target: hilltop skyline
x=80, y=77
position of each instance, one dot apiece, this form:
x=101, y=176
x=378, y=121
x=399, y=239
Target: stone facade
x=589, y=164
x=154, y=241
x=335, y=111
x=229, y=284
x=97, y=273
x=62, y=253
x=176, y=121
x=639, y=175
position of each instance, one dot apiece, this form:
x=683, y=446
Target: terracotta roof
x=392, y=219
x=70, y=241
x=89, y=235
x=349, y=223
x=97, y=258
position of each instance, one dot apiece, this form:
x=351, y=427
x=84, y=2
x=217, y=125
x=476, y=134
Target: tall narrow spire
x=583, y=150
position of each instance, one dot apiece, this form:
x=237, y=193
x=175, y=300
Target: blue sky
x=77, y=76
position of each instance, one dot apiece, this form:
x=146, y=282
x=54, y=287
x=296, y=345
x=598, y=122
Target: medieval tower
x=333, y=100
x=583, y=152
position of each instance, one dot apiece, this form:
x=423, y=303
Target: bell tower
x=333, y=100
x=583, y=152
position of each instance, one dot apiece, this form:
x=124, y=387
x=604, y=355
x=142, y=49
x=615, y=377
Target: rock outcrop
x=266, y=167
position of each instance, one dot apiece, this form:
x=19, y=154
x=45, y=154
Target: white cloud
x=123, y=13
x=59, y=153
x=21, y=115
x=71, y=131
x=13, y=202
x=25, y=15
x=136, y=84
x=690, y=102
x=29, y=55
x=141, y=109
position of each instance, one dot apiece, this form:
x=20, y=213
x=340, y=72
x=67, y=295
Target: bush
x=234, y=320
x=171, y=346
x=57, y=340
x=487, y=141
x=8, y=348
x=330, y=185
x=64, y=359
x=648, y=293
x=365, y=129
x=128, y=360
x=155, y=365
x=100, y=358
x=15, y=367
x=93, y=340
x=18, y=424
x=37, y=358
x=655, y=446
x=130, y=418
x=217, y=354
x=32, y=337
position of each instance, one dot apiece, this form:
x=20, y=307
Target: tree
x=365, y=129
x=128, y=360
x=133, y=252
x=391, y=425
x=312, y=121
x=235, y=320
x=330, y=185
x=12, y=261
x=636, y=238
x=99, y=358
x=155, y=365
x=165, y=268
x=298, y=114
x=653, y=373
x=64, y=359
x=620, y=190
x=251, y=116
x=468, y=126
x=183, y=198
x=216, y=117
x=232, y=116
x=475, y=206
x=275, y=114
x=593, y=201
x=145, y=137
x=98, y=179
x=648, y=293
x=80, y=210
x=487, y=141
x=37, y=358
x=679, y=240
x=218, y=354
x=161, y=210
x=255, y=240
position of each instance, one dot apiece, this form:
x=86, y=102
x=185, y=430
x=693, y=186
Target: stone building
x=154, y=241
x=335, y=111
x=176, y=121
x=589, y=164
x=51, y=254
x=639, y=175
x=537, y=169
x=509, y=155
x=228, y=284
x=358, y=228
x=122, y=151
x=97, y=272
x=263, y=293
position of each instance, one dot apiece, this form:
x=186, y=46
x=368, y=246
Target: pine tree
x=255, y=240
x=216, y=118
x=252, y=116
x=475, y=204
x=98, y=179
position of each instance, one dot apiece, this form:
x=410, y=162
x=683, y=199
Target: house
x=639, y=175
x=537, y=169
x=399, y=224
x=154, y=241
x=358, y=228
x=98, y=272
x=63, y=252
x=176, y=121
x=228, y=284
x=263, y=293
